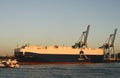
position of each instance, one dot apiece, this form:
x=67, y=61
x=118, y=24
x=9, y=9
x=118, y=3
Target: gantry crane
x=83, y=41
x=109, y=48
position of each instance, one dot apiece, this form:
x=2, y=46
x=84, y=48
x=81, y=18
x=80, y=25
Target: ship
x=9, y=63
x=78, y=53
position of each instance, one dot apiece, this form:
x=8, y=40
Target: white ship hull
x=58, y=54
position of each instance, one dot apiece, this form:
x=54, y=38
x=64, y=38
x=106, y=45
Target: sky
x=57, y=22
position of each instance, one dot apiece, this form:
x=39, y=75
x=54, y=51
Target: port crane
x=109, y=48
x=83, y=41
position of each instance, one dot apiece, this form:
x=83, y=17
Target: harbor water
x=95, y=70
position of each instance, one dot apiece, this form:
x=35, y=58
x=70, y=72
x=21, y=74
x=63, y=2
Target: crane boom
x=114, y=35
x=86, y=36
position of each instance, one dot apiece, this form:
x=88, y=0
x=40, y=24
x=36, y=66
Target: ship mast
x=83, y=41
x=109, y=49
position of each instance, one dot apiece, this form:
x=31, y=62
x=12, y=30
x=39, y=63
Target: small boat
x=10, y=63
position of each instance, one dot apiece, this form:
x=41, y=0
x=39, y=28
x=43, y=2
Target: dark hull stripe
x=54, y=58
